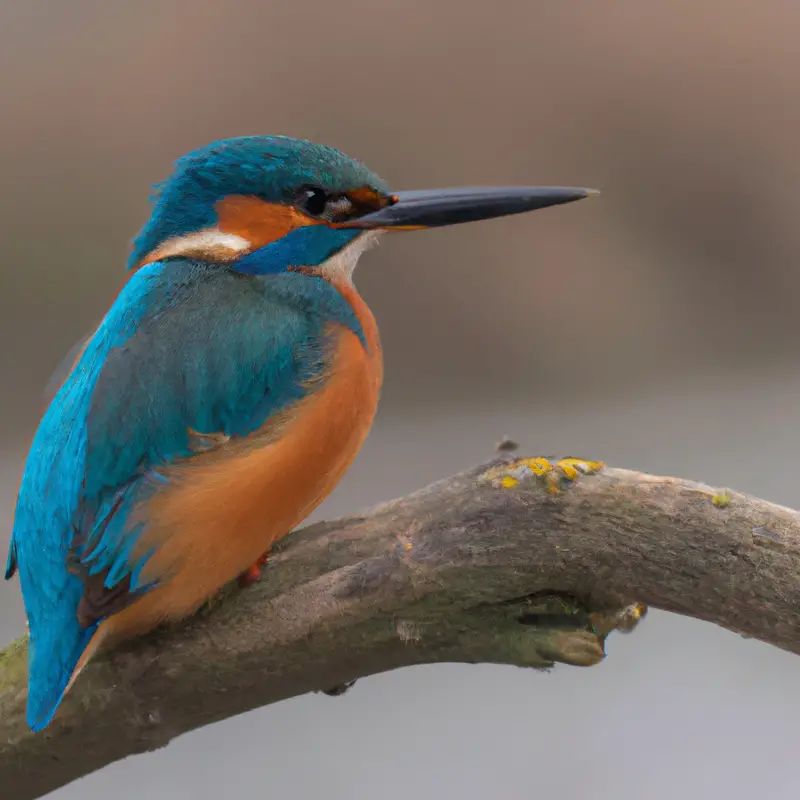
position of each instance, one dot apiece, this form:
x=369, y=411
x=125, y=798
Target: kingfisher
x=221, y=398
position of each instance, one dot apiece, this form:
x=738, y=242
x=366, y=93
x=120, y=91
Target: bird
x=221, y=398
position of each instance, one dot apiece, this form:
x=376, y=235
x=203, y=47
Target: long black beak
x=432, y=208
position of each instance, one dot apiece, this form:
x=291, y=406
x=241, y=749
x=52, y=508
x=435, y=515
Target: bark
x=520, y=562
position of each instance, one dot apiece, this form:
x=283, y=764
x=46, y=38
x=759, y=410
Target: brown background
x=654, y=327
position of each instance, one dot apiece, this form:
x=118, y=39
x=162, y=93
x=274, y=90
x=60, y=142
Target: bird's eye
x=313, y=201
x=320, y=204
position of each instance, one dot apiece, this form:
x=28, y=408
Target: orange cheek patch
x=257, y=221
x=369, y=199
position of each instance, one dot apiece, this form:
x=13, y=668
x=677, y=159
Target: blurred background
x=655, y=328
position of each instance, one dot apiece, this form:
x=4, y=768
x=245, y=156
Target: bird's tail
x=54, y=648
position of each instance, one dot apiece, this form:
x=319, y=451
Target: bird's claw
x=253, y=573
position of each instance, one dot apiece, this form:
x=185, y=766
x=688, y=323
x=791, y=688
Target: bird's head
x=266, y=204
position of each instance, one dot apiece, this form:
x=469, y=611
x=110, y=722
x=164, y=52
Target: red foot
x=252, y=574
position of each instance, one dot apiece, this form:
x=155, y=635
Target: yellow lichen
x=538, y=466
x=722, y=499
x=554, y=472
x=637, y=611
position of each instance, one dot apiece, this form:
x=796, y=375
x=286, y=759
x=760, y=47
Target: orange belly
x=223, y=509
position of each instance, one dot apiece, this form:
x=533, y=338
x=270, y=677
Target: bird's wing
x=185, y=349
x=54, y=383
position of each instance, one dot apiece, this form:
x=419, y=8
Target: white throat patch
x=341, y=266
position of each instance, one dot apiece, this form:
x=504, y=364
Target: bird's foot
x=555, y=474
x=253, y=573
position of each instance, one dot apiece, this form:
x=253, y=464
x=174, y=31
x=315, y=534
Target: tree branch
x=524, y=563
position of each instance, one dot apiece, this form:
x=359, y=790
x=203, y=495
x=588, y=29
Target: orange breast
x=223, y=509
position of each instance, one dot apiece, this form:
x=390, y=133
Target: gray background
x=654, y=328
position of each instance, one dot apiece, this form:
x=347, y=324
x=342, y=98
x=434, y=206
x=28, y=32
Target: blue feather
x=186, y=345
x=309, y=246
x=48, y=500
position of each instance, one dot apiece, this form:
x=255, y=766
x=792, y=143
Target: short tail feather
x=52, y=658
